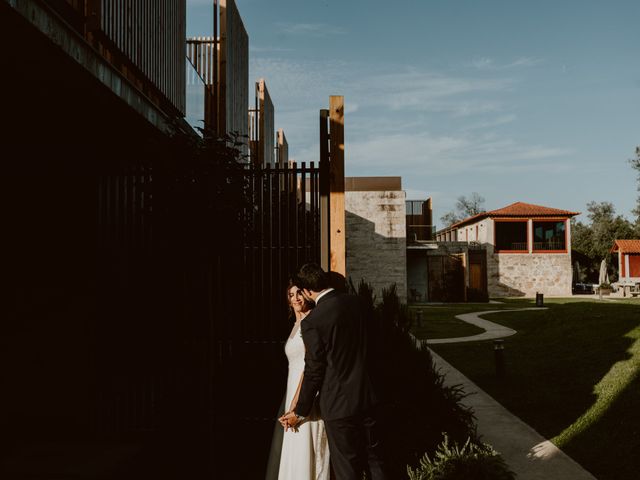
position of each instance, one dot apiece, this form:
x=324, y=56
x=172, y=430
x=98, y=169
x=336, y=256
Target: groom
x=335, y=338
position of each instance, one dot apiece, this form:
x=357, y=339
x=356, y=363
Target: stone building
x=528, y=248
x=376, y=233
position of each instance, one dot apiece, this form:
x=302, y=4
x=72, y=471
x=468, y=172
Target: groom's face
x=307, y=293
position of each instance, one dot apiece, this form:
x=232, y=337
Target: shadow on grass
x=614, y=431
x=554, y=364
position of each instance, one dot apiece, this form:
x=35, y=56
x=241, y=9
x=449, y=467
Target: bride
x=305, y=450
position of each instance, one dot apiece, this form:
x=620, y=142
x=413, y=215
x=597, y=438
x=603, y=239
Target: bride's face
x=297, y=300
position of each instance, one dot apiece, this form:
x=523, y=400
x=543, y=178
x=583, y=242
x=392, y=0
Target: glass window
x=549, y=235
x=511, y=236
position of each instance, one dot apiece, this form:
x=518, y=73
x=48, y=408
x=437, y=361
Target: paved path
x=492, y=330
x=528, y=454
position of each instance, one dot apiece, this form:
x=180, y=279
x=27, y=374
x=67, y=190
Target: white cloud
x=426, y=90
x=310, y=29
x=525, y=62
x=426, y=154
x=487, y=63
x=254, y=49
x=396, y=121
x=296, y=83
x=304, y=83
x=482, y=63
x=492, y=122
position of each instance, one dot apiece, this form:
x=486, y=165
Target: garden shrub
x=477, y=461
x=416, y=404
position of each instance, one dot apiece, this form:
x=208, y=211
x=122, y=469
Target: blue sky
x=516, y=100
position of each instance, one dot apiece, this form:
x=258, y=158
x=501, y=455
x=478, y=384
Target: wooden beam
x=336, y=185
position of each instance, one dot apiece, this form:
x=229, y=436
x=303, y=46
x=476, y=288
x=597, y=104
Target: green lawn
x=573, y=374
x=438, y=320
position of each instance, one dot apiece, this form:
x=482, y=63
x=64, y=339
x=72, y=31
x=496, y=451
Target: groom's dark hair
x=312, y=277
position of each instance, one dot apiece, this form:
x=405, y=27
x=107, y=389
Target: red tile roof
x=521, y=209
x=626, y=246
x=518, y=209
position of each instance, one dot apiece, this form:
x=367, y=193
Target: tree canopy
x=595, y=239
x=465, y=207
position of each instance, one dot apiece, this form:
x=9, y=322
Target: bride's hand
x=282, y=421
x=288, y=421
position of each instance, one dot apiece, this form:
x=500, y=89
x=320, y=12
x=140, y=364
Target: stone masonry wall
x=528, y=273
x=376, y=239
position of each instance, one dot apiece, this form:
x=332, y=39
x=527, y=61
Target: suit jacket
x=335, y=338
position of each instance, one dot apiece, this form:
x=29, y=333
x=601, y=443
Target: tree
x=465, y=207
x=449, y=219
x=595, y=239
x=471, y=206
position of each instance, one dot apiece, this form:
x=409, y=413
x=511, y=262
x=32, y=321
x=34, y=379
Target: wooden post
x=336, y=185
x=325, y=237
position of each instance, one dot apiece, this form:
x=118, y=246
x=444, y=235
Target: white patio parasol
x=604, y=276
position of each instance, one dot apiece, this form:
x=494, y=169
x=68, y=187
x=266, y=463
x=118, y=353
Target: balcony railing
x=420, y=233
x=143, y=39
x=549, y=246
x=537, y=246
x=195, y=104
x=515, y=246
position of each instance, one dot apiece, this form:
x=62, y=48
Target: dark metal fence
x=193, y=333
x=281, y=232
x=127, y=392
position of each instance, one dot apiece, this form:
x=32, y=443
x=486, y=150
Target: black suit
x=336, y=365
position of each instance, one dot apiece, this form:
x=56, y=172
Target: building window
x=511, y=236
x=549, y=236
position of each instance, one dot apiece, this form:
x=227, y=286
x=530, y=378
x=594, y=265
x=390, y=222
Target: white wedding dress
x=305, y=453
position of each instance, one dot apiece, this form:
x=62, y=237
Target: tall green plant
x=477, y=461
x=392, y=310
x=416, y=402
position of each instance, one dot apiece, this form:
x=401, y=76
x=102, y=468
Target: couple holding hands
x=329, y=428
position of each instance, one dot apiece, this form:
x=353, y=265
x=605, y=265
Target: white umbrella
x=604, y=276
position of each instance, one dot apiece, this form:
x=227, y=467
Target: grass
x=439, y=322
x=573, y=374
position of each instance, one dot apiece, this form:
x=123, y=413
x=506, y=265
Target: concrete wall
x=481, y=231
x=376, y=239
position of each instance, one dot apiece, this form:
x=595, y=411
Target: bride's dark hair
x=294, y=281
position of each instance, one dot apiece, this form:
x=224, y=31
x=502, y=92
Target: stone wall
x=528, y=273
x=376, y=239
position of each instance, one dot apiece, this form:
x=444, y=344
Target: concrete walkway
x=528, y=454
x=491, y=330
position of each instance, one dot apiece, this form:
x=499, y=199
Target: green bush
x=416, y=403
x=477, y=461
